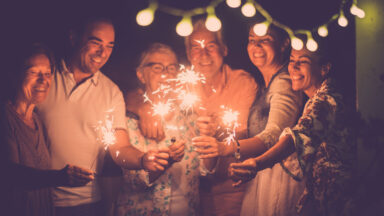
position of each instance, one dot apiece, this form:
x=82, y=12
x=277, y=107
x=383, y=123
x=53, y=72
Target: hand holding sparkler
x=209, y=147
x=74, y=176
x=155, y=160
x=176, y=150
x=207, y=125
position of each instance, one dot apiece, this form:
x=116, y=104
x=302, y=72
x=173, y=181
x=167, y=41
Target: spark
x=201, y=42
x=107, y=131
x=188, y=76
x=117, y=153
x=187, y=100
x=230, y=121
x=162, y=108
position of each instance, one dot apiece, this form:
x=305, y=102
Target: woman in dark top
x=25, y=157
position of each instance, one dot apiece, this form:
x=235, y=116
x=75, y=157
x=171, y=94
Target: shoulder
x=108, y=85
x=240, y=77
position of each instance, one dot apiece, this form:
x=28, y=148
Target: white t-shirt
x=74, y=116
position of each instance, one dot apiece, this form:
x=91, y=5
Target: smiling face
x=205, y=52
x=265, y=51
x=156, y=68
x=95, y=47
x=305, y=71
x=37, y=79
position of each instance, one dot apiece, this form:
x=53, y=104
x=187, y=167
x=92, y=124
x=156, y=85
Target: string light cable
x=250, y=7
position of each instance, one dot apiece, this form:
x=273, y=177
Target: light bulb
x=323, y=31
x=296, y=43
x=184, y=27
x=248, y=9
x=357, y=11
x=233, y=3
x=213, y=23
x=261, y=29
x=311, y=45
x=342, y=21
x=145, y=17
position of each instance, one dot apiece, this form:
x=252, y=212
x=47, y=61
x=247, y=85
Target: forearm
x=251, y=147
x=134, y=101
x=127, y=157
x=282, y=149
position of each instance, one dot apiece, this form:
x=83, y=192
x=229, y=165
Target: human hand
x=74, y=176
x=209, y=147
x=176, y=150
x=150, y=126
x=207, y=125
x=243, y=172
x=155, y=160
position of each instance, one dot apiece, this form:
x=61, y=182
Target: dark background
x=48, y=21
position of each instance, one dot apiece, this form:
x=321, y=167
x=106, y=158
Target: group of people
x=286, y=159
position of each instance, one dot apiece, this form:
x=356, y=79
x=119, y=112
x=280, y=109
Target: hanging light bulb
x=145, y=16
x=184, y=27
x=323, y=31
x=261, y=29
x=248, y=9
x=311, y=43
x=296, y=43
x=233, y=3
x=342, y=21
x=213, y=23
x=357, y=11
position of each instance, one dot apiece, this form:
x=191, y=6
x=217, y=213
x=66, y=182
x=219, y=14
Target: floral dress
x=326, y=151
x=175, y=192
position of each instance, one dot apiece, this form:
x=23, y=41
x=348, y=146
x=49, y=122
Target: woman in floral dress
x=322, y=139
x=173, y=191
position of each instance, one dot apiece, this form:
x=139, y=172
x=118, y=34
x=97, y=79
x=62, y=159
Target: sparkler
x=229, y=120
x=107, y=131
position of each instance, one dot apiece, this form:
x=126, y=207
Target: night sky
x=47, y=21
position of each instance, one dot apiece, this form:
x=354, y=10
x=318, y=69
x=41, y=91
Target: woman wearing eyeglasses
x=173, y=191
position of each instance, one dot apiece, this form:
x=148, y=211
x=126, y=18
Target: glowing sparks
x=107, y=131
x=162, y=108
x=188, y=76
x=187, y=100
x=230, y=121
x=201, y=42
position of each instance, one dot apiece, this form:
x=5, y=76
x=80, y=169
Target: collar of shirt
x=94, y=79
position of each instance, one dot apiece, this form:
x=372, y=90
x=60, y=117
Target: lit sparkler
x=107, y=131
x=229, y=120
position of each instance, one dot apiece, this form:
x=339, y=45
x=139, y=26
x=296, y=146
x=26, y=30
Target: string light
x=261, y=29
x=311, y=43
x=357, y=11
x=233, y=3
x=248, y=9
x=296, y=43
x=323, y=31
x=145, y=17
x=342, y=21
x=184, y=27
x=212, y=23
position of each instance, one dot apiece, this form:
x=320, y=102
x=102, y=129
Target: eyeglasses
x=159, y=68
